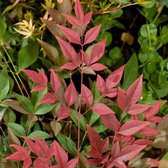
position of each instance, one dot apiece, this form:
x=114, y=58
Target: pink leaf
x=69, y=66
x=72, y=20
x=149, y=131
x=86, y=95
x=133, y=126
x=102, y=109
x=115, y=150
x=94, y=138
x=71, y=94
x=98, y=51
x=114, y=78
x=67, y=50
x=27, y=162
x=48, y=98
x=20, y=155
x=121, y=99
x=41, y=144
x=54, y=81
x=100, y=83
x=153, y=110
x=129, y=152
x=111, y=93
x=70, y=34
x=134, y=92
x=38, y=88
x=32, y=146
x=135, y=109
x=143, y=142
x=79, y=11
x=85, y=57
x=72, y=163
x=41, y=162
x=111, y=122
x=63, y=113
x=98, y=67
x=60, y=154
x=87, y=18
x=37, y=77
x=92, y=34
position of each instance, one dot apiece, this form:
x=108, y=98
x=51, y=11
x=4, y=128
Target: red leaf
x=98, y=67
x=129, y=152
x=37, y=77
x=92, y=34
x=71, y=94
x=86, y=95
x=41, y=162
x=43, y=147
x=153, y=110
x=121, y=99
x=72, y=20
x=67, y=50
x=100, y=83
x=114, y=78
x=111, y=122
x=143, y=142
x=60, y=154
x=70, y=34
x=85, y=57
x=27, y=162
x=135, y=109
x=94, y=138
x=48, y=98
x=69, y=66
x=98, y=51
x=102, y=109
x=87, y=18
x=72, y=163
x=32, y=146
x=20, y=155
x=111, y=93
x=134, y=92
x=133, y=126
x=63, y=113
x=115, y=150
x=54, y=81
x=149, y=131
x=79, y=11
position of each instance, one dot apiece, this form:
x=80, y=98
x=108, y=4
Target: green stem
x=10, y=70
x=158, y=14
x=16, y=72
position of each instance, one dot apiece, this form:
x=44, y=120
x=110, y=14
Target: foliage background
x=137, y=35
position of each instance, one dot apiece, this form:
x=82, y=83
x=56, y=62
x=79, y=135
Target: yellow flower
x=25, y=28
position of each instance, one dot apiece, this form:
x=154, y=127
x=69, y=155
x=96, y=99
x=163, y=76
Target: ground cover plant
x=75, y=110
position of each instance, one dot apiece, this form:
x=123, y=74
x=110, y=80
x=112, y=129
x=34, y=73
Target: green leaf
x=2, y=111
x=74, y=117
x=164, y=35
x=28, y=55
x=93, y=118
x=25, y=103
x=106, y=35
x=17, y=129
x=100, y=128
x=3, y=27
x=4, y=86
x=67, y=144
x=130, y=72
x=9, y=116
x=40, y=134
x=148, y=30
x=43, y=109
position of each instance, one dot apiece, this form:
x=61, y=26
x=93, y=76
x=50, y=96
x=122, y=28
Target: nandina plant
x=128, y=126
